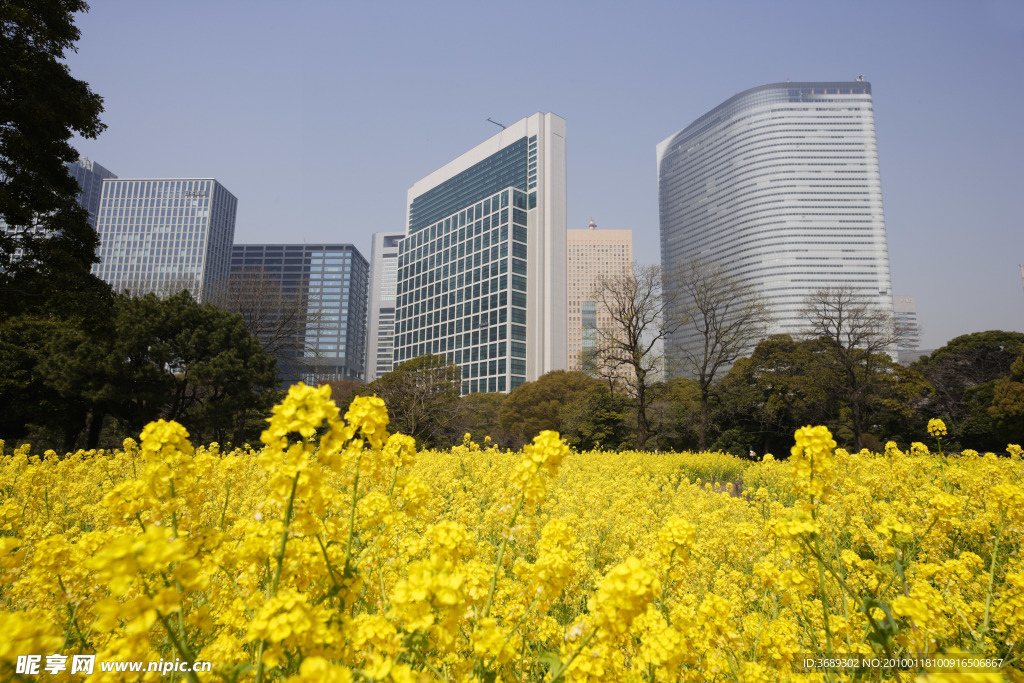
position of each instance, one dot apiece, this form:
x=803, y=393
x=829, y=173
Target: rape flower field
x=338, y=553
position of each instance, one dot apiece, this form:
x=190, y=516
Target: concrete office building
x=481, y=272
x=380, y=322
x=780, y=186
x=330, y=282
x=592, y=253
x=165, y=235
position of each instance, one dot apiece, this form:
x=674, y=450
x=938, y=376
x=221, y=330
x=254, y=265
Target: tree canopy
x=173, y=359
x=48, y=245
x=535, y=406
x=422, y=397
x=974, y=388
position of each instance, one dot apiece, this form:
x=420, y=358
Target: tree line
x=975, y=383
x=734, y=388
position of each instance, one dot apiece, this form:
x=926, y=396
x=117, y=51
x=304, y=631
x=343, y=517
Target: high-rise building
x=906, y=319
x=90, y=177
x=380, y=322
x=327, y=281
x=163, y=236
x=779, y=185
x=592, y=253
x=481, y=272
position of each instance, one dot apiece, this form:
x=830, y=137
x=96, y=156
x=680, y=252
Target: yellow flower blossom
x=936, y=427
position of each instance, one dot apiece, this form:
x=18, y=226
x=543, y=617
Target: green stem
x=563, y=666
x=182, y=649
x=272, y=591
x=224, y=510
x=425, y=663
x=518, y=624
x=501, y=555
x=991, y=580
x=824, y=600
x=352, y=517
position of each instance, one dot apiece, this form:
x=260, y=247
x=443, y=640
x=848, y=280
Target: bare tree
x=282, y=320
x=422, y=397
x=862, y=335
x=633, y=304
x=719, y=320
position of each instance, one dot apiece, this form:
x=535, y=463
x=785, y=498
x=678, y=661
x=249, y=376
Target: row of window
x=461, y=291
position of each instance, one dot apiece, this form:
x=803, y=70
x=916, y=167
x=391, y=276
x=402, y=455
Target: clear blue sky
x=318, y=116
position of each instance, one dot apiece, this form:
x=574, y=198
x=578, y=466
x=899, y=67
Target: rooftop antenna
x=593, y=225
x=496, y=123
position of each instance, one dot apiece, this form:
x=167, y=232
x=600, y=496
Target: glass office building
x=380, y=323
x=780, y=186
x=165, y=235
x=90, y=177
x=481, y=272
x=330, y=282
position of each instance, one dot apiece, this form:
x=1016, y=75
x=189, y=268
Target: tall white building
x=592, y=253
x=780, y=186
x=165, y=235
x=380, y=312
x=481, y=272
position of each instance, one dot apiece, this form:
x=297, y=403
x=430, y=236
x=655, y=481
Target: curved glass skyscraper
x=780, y=186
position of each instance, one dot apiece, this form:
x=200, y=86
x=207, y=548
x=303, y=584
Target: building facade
x=780, y=186
x=328, y=284
x=481, y=272
x=906, y=318
x=165, y=235
x=380, y=319
x=90, y=177
x=592, y=253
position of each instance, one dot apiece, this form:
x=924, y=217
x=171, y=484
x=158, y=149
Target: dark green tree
x=598, y=419
x=219, y=369
x=422, y=397
x=48, y=245
x=964, y=362
x=478, y=417
x=676, y=414
x=535, y=406
x=1007, y=409
x=786, y=384
x=173, y=359
x=25, y=399
x=764, y=398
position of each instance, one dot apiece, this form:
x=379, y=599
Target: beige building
x=591, y=253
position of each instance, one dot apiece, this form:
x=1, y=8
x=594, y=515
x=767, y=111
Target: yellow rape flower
x=813, y=461
x=623, y=594
x=936, y=427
